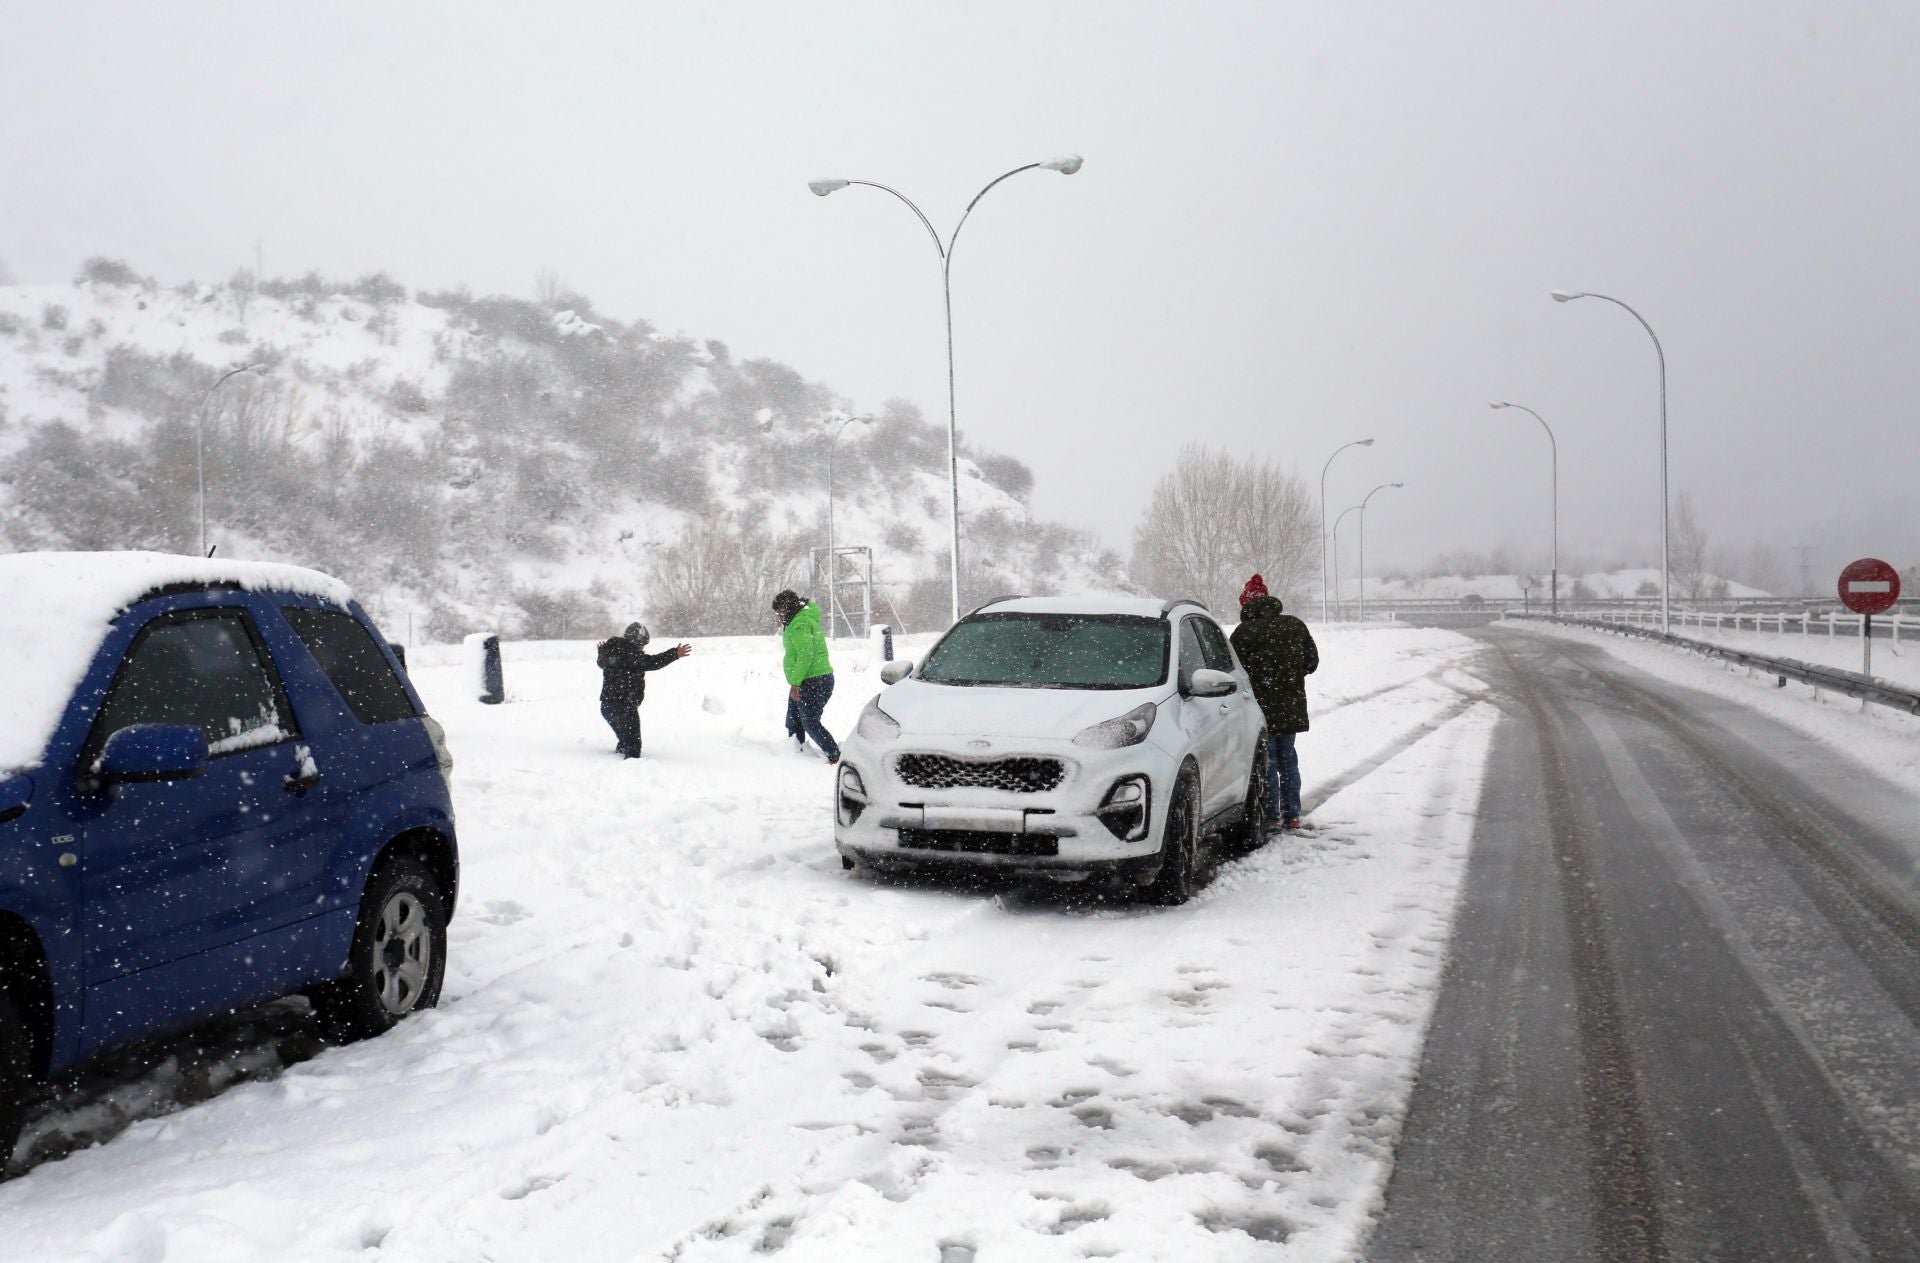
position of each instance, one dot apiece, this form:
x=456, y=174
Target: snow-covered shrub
x=379, y=289
x=901, y=537
x=406, y=396
x=100, y=270
x=53, y=316
x=1006, y=473
x=102, y=493
x=149, y=385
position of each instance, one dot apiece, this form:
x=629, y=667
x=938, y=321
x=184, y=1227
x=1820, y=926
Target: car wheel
x=1179, y=849
x=398, y=957
x=16, y=1078
x=1251, y=832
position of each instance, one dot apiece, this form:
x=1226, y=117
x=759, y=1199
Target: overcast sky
x=1298, y=224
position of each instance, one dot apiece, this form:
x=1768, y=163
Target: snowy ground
x=1883, y=738
x=673, y=1029
x=1897, y=664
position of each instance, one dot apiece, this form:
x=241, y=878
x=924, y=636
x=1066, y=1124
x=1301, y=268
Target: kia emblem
x=978, y=745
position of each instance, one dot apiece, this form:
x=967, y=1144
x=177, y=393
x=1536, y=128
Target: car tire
x=398, y=957
x=16, y=1078
x=1251, y=833
x=1174, y=884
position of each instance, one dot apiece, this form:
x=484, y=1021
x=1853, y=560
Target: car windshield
x=1060, y=651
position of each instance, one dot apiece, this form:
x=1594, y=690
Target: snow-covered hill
x=534, y=467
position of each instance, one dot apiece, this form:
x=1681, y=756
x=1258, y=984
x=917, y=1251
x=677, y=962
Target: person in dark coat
x=1279, y=654
x=624, y=663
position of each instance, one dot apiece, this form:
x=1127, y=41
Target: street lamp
x=1554, y=447
x=833, y=590
x=1363, y=543
x=1336, y=550
x=200, y=444
x=1323, y=519
x=1666, y=573
x=1065, y=165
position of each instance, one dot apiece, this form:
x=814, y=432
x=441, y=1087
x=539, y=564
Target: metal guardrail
x=1809, y=623
x=1833, y=679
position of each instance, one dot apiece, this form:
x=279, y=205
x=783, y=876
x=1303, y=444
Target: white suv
x=1066, y=736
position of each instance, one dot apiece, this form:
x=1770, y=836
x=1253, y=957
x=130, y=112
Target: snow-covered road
x=673, y=1028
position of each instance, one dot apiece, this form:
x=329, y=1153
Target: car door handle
x=299, y=785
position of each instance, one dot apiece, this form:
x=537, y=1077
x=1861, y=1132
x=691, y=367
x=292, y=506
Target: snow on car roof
x=1142, y=606
x=56, y=608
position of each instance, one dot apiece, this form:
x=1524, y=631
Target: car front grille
x=979, y=842
x=1019, y=775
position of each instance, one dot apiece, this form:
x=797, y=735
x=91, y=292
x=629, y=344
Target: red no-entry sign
x=1869, y=586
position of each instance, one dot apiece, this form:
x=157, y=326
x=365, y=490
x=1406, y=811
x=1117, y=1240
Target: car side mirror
x=1206, y=682
x=896, y=671
x=153, y=752
x=16, y=791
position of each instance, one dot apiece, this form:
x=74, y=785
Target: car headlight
x=852, y=798
x=1129, y=729
x=875, y=724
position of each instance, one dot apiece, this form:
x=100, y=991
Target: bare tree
x=549, y=287
x=1215, y=520
x=719, y=578
x=241, y=288
x=1273, y=516
x=6, y=274
x=1687, y=559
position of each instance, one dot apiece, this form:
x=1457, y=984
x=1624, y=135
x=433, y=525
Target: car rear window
x=347, y=653
x=1061, y=651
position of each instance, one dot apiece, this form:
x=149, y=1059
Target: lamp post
x=1666, y=573
x=200, y=444
x=1065, y=165
x=833, y=590
x=1363, y=543
x=1554, y=447
x=1323, y=519
x=1336, y=549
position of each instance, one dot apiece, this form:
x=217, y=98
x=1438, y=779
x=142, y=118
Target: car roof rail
x=1168, y=608
x=186, y=587
x=1010, y=596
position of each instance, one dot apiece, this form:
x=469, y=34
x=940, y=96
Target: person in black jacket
x=624, y=663
x=1279, y=654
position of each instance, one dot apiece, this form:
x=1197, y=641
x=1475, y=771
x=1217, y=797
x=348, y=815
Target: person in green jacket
x=1279, y=654
x=808, y=671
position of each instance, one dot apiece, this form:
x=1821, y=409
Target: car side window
x=202, y=670
x=1192, y=655
x=351, y=659
x=1213, y=645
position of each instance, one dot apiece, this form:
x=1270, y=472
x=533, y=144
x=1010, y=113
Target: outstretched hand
x=793, y=692
x=682, y=650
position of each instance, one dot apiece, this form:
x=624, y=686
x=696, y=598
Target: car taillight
x=441, y=755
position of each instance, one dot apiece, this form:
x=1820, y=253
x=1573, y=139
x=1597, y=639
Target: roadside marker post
x=1868, y=587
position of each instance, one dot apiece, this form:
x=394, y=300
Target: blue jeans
x=1283, y=777
x=803, y=713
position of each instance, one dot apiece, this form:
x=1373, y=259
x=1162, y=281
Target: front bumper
x=1062, y=831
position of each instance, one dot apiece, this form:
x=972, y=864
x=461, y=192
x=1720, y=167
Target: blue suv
x=216, y=787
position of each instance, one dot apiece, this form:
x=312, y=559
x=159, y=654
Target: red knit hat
x=1256, y=586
